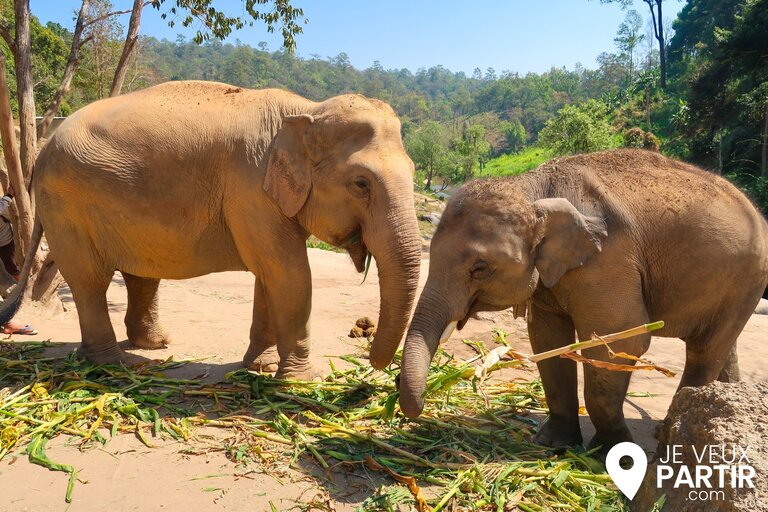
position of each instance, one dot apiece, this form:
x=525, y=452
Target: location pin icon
x=627, y=480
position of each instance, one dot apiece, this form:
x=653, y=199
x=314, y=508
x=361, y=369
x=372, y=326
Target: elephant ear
x=288, y=179
x=567, y=238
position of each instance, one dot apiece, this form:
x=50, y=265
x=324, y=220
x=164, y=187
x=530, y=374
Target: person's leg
x=9, y=261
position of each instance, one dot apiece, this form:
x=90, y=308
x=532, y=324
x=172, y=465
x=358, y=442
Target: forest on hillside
x=711, y=109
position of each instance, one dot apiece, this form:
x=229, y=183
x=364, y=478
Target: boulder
x=729, y=417
x=432, y=218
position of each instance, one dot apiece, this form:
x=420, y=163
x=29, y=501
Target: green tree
x=428, y=148
x=628, y=38
x=727, y=118
x=657, y=18
x=514, y=135
x=471, y=149
x=696, y=29
x=578, y=129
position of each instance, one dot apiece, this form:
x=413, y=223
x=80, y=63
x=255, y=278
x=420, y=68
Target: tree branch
x=130, y=43
x=653, y=17
x=114, y=13
x=5, y=33
x=69, y=72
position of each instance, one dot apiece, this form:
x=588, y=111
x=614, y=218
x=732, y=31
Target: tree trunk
x=662, y=49
x=658, y=32
x=69, y=72
x=130, y=44
x=764, y=160
x=25, y=93
x=648, y=109
x=720, y=151
x=13, y=162
x=44, y=284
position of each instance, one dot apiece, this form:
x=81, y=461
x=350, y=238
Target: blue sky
x=515, y=35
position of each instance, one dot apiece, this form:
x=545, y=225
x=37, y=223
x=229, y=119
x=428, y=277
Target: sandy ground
x=209, y=318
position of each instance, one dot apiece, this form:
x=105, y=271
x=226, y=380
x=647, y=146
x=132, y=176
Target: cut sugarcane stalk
x=609, y=338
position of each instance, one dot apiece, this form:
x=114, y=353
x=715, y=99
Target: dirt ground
x=209, y=318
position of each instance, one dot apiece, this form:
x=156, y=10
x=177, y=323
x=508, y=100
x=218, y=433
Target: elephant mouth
x=357, y=250
x=472, y=308
x=476, y=306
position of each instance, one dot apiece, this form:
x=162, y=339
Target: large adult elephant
x=188, y=178
x=596, y=243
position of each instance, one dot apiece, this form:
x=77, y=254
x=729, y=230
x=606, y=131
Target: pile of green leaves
x=470, y=446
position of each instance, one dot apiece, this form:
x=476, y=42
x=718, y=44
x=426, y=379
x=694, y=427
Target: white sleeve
x=5, y=203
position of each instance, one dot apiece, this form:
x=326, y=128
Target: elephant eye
x=480, y=270
x=360, y=186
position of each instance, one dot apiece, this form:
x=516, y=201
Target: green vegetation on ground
x=517, y=163
x=469, y=450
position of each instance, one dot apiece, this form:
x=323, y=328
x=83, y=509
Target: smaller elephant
x=595, y=243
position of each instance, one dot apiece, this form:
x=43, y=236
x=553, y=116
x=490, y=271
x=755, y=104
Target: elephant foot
x=607, y=440
x=150, y=340
x=299, y=371
x=558, y=432
x=111, y=355
x=266, y=362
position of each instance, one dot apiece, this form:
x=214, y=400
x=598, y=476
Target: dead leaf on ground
x=418, y=495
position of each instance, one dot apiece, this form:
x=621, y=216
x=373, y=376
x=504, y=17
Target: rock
x=432, y=218
x=719, y=414
x=762, y=307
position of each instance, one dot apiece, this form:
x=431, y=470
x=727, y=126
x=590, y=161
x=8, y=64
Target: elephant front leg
x=548, y=330
x=288, y=290
x=605, y=390
x=262, y=355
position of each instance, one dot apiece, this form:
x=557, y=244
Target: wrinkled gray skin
x=187, y=178
x=596, y=243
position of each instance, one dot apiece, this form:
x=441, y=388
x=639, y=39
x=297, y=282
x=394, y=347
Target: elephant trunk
x=429, y=322
x=398, y=258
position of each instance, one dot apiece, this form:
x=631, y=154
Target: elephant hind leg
x=88, y=274
x=712, y=355
x=142, y=319
x=730, y=372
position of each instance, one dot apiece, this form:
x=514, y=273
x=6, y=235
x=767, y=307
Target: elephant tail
x=12, y=304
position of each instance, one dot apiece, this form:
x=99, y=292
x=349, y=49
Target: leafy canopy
x=578, y=129
x=220, y=25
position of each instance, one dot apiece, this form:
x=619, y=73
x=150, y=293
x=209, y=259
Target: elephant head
x=341, y=170
x=493, y=246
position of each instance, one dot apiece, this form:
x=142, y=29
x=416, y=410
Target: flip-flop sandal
x=27, y=329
